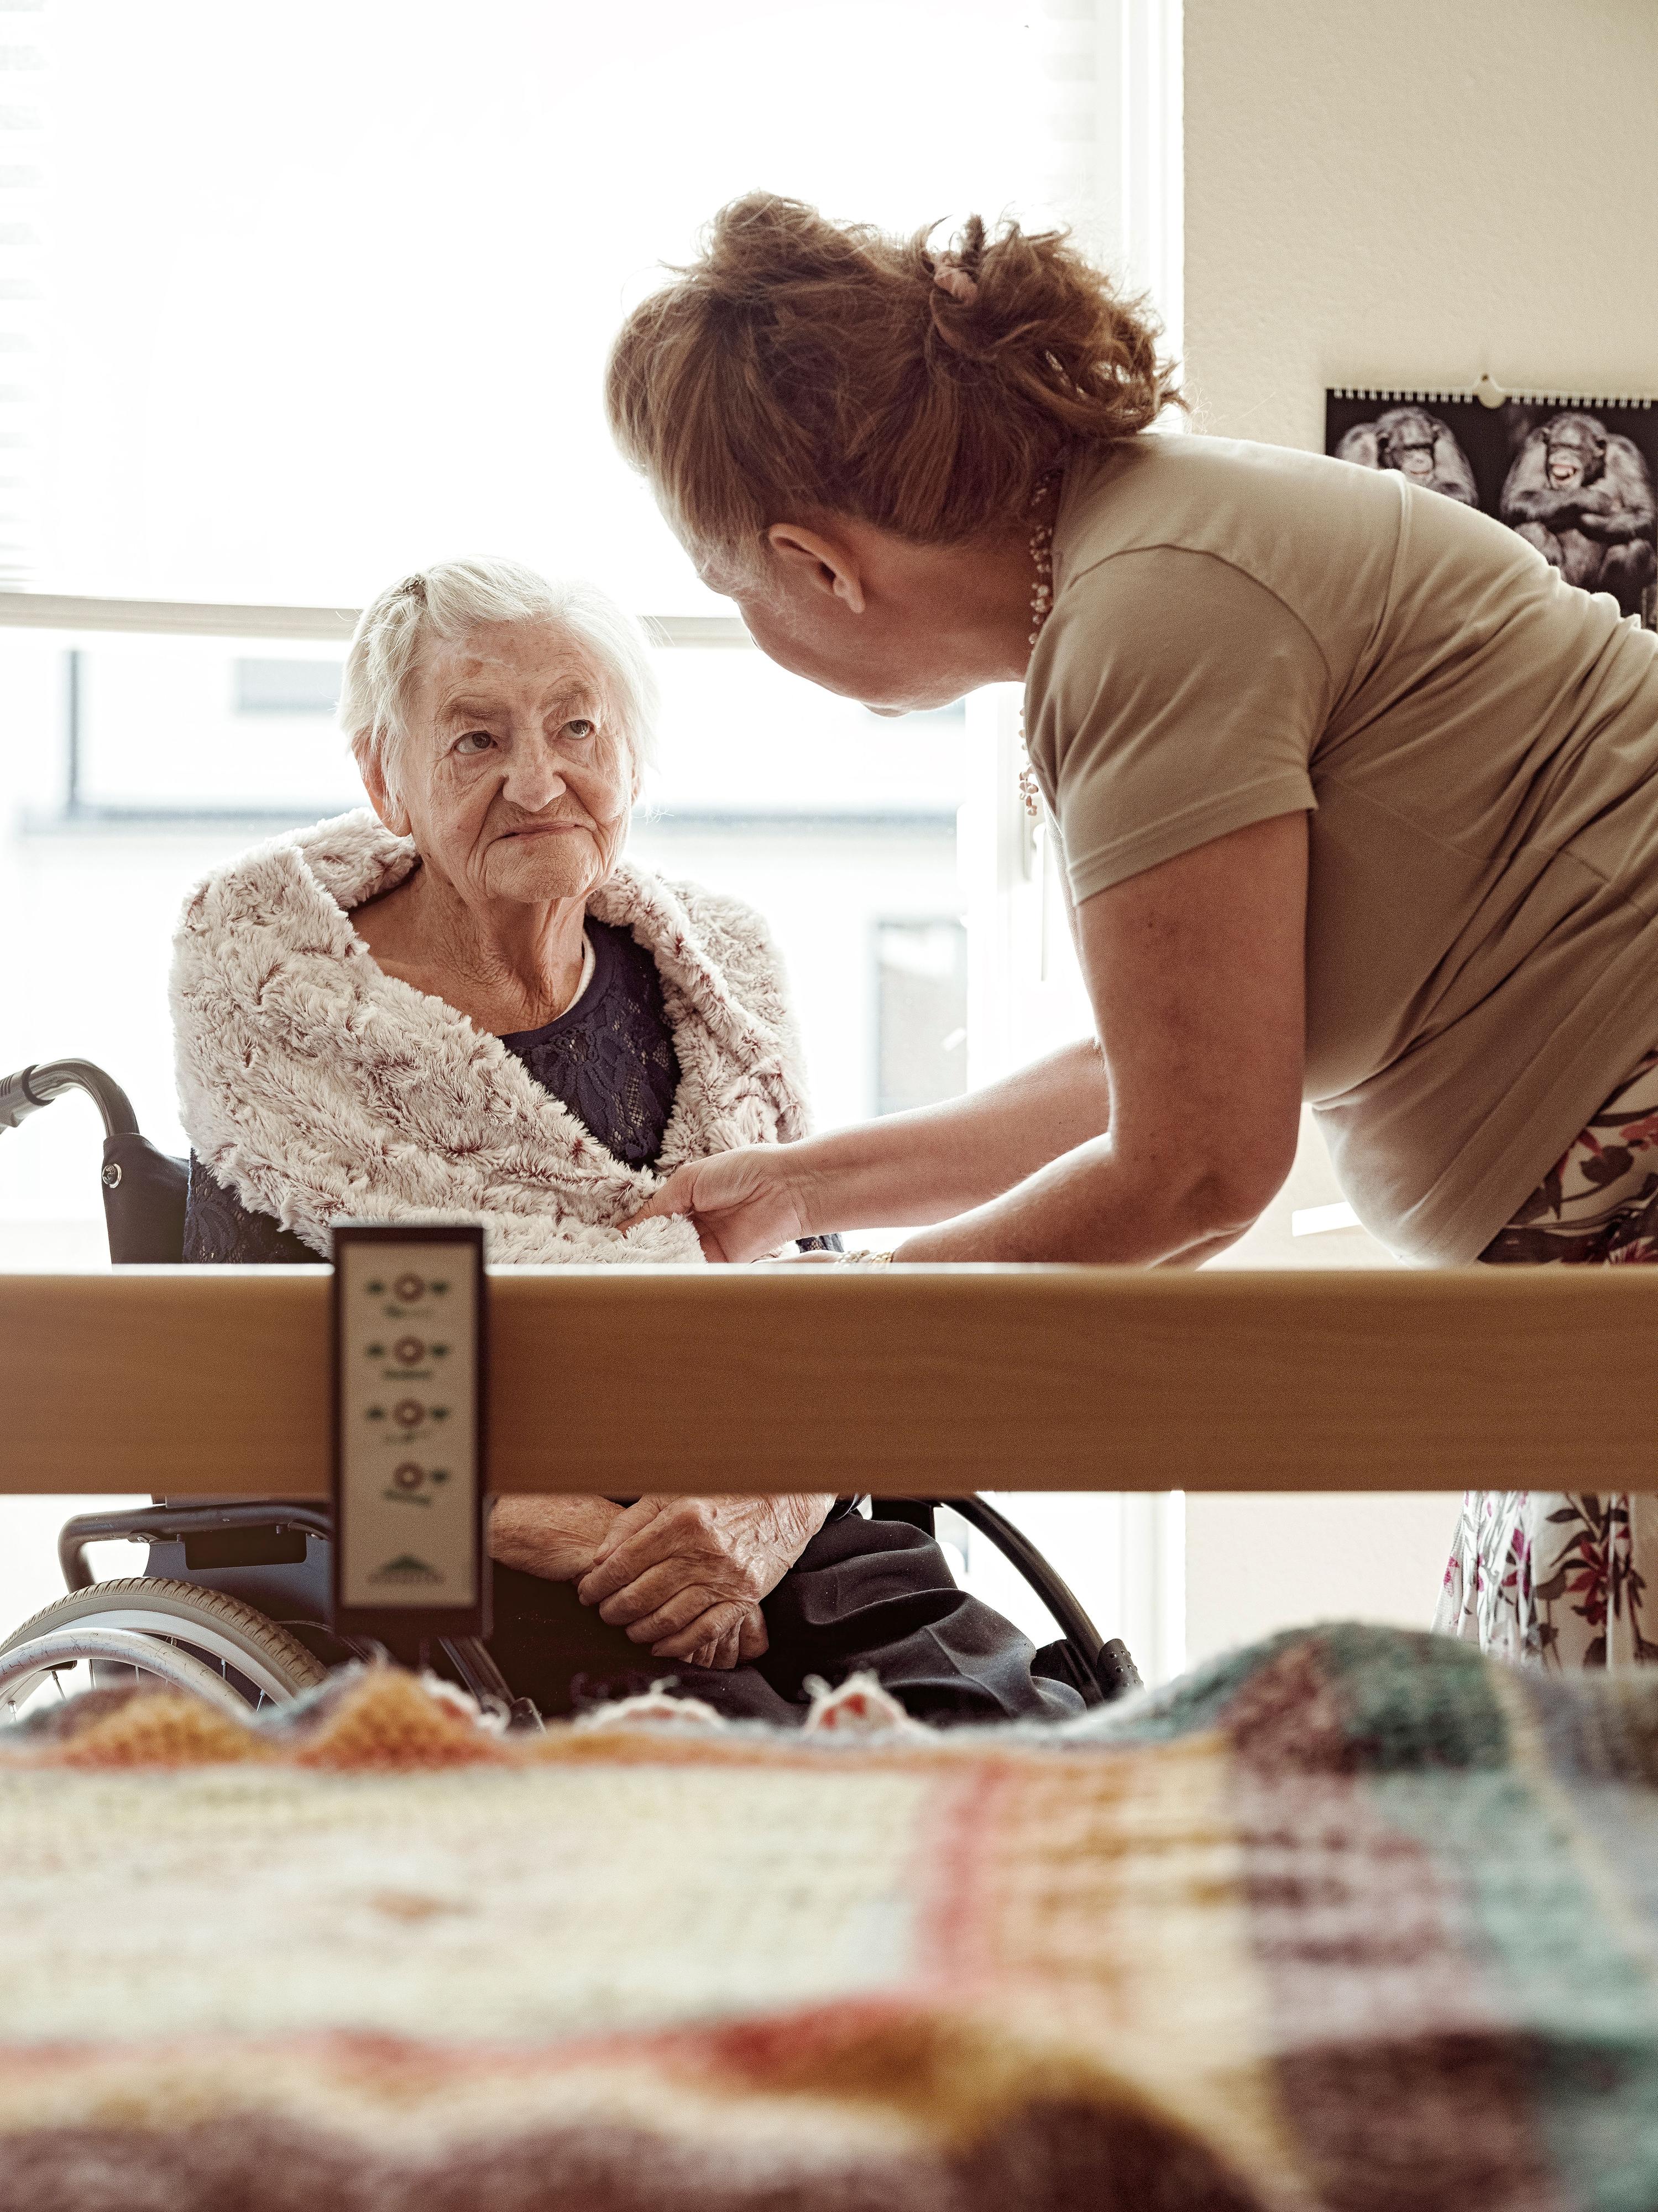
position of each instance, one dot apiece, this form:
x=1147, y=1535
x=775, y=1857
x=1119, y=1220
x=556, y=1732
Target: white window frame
x=330, y=625
x=1117, y=68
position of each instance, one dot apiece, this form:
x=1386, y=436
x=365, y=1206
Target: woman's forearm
x=938, y=1161
x=1162, y=1159
x=1097, y=1207
x=1200, y=961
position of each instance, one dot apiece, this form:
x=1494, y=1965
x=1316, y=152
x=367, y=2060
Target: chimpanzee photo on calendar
x=1574, y=476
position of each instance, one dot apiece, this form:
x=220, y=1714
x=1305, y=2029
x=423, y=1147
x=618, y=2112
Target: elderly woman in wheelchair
x=466, y=1000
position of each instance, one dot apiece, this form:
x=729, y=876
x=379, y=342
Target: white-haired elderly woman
x=465, y=998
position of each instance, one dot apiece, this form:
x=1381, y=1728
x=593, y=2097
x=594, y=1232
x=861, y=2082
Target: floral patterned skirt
x=1559, y=1578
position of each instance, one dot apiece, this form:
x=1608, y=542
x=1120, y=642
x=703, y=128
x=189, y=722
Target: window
x=159, y=727
x=287, y=687
x=291, y=305
x=377, y=339
x=921, y=971
x=326, y=298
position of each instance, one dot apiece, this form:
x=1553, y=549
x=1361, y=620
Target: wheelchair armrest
x=149, y=1524
x=145, y=1194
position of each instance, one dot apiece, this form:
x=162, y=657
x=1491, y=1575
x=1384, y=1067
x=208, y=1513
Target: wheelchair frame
x=1100, y=1669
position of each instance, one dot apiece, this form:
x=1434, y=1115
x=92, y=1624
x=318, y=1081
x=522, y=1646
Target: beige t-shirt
x=1240, y=631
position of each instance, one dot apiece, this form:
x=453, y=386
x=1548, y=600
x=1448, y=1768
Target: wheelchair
x=233, y=1602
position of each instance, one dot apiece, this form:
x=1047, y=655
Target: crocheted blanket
x=1354, y=1919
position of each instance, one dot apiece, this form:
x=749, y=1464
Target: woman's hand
x=742, y=1204
x=557, y=1538
x=686, y=1575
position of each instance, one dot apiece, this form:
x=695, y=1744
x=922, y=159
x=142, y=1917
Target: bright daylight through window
x=286, y=347
x=292, y=306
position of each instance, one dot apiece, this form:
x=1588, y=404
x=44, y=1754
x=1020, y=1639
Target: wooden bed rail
x=927, y=1380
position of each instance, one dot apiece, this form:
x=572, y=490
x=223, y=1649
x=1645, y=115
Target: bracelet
x=863, y=1259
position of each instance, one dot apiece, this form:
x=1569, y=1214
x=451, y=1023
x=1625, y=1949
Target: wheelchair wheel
x=259, y=1659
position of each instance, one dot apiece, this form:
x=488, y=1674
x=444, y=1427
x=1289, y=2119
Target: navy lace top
x=609, y=1059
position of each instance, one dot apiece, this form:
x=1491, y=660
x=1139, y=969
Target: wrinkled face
x=515, y=778
x=1573, y=455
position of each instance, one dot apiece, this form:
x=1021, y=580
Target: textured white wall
x=1400, y=196
x=1405, y=195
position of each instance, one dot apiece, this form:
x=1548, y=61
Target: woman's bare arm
x=936, y=1161
x=1196, y=969
x=921, y=1166
x=1160, y=1149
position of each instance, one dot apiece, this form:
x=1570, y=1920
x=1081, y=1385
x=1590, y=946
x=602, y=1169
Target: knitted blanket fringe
x=315, y=1087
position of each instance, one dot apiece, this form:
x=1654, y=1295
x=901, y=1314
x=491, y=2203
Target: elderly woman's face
x=515, y=778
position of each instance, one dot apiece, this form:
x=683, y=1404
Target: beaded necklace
x=1042, y=605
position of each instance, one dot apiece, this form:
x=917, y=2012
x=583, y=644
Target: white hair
x=454, y=598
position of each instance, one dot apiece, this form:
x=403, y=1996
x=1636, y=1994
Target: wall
x=1407, y=195
x=1400, y=196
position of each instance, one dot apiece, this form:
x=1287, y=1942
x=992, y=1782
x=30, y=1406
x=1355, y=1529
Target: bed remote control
x=409, y=1433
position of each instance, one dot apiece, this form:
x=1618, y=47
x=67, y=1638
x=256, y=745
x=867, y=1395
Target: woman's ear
x=818, y=564
x=381, y=795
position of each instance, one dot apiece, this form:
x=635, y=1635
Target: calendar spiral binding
x=1519, y=399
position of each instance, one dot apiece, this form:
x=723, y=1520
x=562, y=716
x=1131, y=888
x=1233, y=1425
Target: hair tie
x=949, y=276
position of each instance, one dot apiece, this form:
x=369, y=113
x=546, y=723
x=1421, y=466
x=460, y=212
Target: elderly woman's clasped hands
x=685, y=1576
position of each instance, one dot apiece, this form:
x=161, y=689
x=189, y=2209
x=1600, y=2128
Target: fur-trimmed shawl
x=314, y=1086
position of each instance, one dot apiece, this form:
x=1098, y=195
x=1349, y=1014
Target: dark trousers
x=864, y=1594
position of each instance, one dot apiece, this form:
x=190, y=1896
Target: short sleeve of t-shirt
x=1171, y=699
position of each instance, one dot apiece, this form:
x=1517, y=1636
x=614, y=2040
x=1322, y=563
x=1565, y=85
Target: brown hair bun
x=804, y=367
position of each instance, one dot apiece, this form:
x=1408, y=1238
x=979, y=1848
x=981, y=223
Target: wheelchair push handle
x=17, y=1101
x=30, y=1088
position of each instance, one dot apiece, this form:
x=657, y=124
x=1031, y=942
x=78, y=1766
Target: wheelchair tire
x=251, y=1649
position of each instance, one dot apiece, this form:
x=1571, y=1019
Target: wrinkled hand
x=742, y=1204
x=557, y=1538
x=686, y=1575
